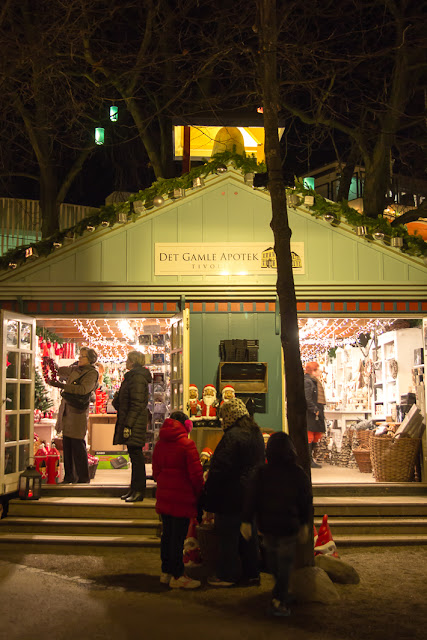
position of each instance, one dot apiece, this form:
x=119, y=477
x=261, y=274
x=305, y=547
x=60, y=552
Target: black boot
x=127, y=494
x=314, y=465
x=135, y=496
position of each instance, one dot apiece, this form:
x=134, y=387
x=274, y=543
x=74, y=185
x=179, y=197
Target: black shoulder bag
x=78, y=401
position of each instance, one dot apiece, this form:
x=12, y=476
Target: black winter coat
x=310, y=389
x=237, y=453
x=131, y=405
x=280, y=499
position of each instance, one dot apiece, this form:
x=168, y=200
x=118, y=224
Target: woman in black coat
x=239, y=451
x=315, y=399
x=132, y=417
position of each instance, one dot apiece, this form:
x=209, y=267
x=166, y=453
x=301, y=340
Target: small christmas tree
x=42, y=401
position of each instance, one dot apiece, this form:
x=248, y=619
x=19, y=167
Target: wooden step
x=81, y=540
x=77, y=526
x=77, y=507
x=369, y=506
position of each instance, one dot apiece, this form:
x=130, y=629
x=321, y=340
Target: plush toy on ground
x=323, y=542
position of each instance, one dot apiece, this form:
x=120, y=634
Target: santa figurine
x=228, y=394
x=194, y=406
x=209, y=402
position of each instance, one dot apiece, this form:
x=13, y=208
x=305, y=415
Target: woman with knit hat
x=315, y=399
x=179, y=476
x=239, y=451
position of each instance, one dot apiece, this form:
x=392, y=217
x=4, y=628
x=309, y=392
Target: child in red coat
x=179, y=476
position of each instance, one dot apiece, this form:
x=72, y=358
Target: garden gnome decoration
x=194, y=406
x=209, y=402
x=228, y=394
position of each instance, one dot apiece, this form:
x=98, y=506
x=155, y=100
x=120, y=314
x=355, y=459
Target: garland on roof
x=109, y=215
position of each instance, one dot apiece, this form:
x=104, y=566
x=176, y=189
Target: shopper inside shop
x=132, y=417
x=81, y=380
x=315, y=399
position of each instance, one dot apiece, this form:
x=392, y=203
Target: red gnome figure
x=192, y=556
x=209, y=402
x=324, y=543
x=194, y=406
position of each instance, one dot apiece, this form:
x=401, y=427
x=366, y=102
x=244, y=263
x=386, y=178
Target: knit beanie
x=232, y=411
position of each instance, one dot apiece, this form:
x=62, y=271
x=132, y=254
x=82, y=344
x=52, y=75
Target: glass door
x=18, y=344
x=180, y=360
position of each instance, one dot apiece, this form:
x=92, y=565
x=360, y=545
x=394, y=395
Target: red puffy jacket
x=177, y=471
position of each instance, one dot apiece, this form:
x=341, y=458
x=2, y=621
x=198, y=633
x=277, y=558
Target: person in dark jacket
x=132, y=416
x=315, y=399
x=240, y=450
x=81, y=379
x=179, y=475
x=279, y=498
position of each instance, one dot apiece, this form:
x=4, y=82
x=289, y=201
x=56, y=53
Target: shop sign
x=225, y=258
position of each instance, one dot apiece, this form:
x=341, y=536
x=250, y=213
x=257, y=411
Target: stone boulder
x=337, y=570
x=312, y=584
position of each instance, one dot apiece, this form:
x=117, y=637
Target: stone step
x=76, y=526
x=371, y=506
x=76, y=507
x=371, y=489
x=81, y=540
x=92, y=490
x=372, y=526
x=379, y=540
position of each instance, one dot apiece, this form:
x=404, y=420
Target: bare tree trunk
x=347, y=173
x=295, y=397
x=49, y=205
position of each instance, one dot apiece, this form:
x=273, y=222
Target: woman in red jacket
x=179, y=476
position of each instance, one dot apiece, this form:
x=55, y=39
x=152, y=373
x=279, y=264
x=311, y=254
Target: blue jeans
x=237, y=558
x=280, y=553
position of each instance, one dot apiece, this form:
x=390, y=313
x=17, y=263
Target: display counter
x=45, y=429
x=206, y=437
x=342, y=418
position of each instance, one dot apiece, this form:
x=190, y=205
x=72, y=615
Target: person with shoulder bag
x=132, y=417
x=81, y=380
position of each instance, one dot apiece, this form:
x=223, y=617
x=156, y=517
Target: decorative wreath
x=49, y=367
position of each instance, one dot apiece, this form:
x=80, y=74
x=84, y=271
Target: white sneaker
x=184, y=582
x=165, y=578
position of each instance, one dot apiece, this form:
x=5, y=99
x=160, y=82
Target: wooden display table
x=100, y=432
x=345, y=416
x=206, y=437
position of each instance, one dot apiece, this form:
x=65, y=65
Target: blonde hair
x=136, y=357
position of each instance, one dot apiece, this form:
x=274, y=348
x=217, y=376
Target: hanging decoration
x=99, y=135
x=138, y=204
x=50, y=369
x=114, y=113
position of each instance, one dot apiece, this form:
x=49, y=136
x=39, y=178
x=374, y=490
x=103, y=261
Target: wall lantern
x=158, y=201
x=30, y=252
x=30, y=484
x=361, y=231
x=99, y=135
x=178, y=193
x=396, y=241
x=114, y=113
x=123, y=217
x=309, y=200
x=198, y=182
x=249, y=179
x=378, y=235
x=329, y=217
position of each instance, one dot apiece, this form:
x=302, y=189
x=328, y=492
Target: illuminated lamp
x=30, y=484
x=114, y=113
x=99, y=135
x=158, y=201
x=198, y=182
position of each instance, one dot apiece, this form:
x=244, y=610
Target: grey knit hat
x=232, y=411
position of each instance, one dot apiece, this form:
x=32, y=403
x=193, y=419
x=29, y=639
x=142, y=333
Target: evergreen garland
x=48, y=336
x=108, y=215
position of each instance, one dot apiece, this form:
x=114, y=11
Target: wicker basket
x=363, y=437
x=394, y=460
x=363, y=459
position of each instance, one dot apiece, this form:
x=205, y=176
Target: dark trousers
x=138, y=478
x=237, y=557
x=280, y=553
x=174, y=532
x=75, y=460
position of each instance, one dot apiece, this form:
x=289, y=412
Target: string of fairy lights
x=110, y=346
x=317, y=335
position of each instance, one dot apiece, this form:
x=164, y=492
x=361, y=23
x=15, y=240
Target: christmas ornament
x=361, y=231
x=329, y=217
x=178, y=193
x=221, y=168
x=105, y=223
x=378, y=235
x=12, y=265
x=198, y=182
x=49, y=367
x=396, y=241
x=158, y=201
x=90, y=227
x=57, y=245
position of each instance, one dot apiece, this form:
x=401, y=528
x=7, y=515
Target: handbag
x=78, y=401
